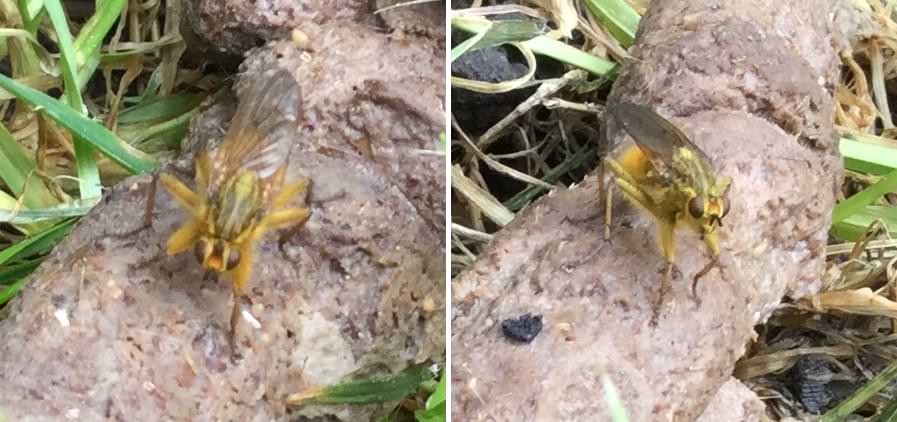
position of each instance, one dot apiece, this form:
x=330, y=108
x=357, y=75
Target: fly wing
x=259, y=137
x=657, y=137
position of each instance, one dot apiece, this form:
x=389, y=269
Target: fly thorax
x=238, y=205
x=693, y=172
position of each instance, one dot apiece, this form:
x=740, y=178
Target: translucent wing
x=259, y=136
x=657, y=137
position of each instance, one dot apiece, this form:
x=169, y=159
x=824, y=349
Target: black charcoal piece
x=811, y=375
x=522, y=329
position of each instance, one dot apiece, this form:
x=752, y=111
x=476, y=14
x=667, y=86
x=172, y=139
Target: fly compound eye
x=696, y=207
x=199, y=250
x=233, y=259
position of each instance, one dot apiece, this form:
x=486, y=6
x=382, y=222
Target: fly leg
x=712, y=241
x=234, y=320
x=608, y=207
x=661, y=295
x=285, y=216
x=297, y=217
x=150, y=203
x=242, y=274
x=629, y=187
x=666, y=225
x=604, y=188
x=694, y=283
x=148, y=209
x=667, y=237
x=180, y=191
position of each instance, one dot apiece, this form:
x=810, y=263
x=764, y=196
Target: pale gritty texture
x=146, y=336
x=235, y=26
x=751, y=83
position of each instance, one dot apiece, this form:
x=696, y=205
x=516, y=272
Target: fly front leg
x=635, y=195
x=712, y=241
x=619, y=171
x=185, y=237
x=628, y=187
x=694, y=283
x=241, y=276
x=150, y=205
x=184, y=195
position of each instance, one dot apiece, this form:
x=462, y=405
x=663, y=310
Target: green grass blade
x=40, y=82
x=6, y=201
x=181, y=123
x=570, y=55
x=435, y=414
x=75, y=208
x=87, y=71
x=93, y=132
x=617, y=17
x=524, y=197
x=14, y=272
x=858, y=202
x=888, y=414
x=126, y=50
x=10, y=291
x=152, y=85
x=868, y=157
x=89, y=182
x=15, y=168
x=612, y=399
x=853, y=227
x=160, y=108
x=438, y=395
x=37, y=243
x=466, y=45
x=435, y=410
x=495, y=33
x=30, y=11
x=67, y=58
x=544, y=46
x=31, y=246
x=85, y=156
x=372, y=390
x=40, y=51
x=95, y=29
x=861, y=396
x=23, y=57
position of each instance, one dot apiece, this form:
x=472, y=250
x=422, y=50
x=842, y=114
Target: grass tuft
x=125, y=100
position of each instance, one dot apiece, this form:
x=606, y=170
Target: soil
x=235, y=26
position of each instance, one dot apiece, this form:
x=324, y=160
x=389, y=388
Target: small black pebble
x=523, y=328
